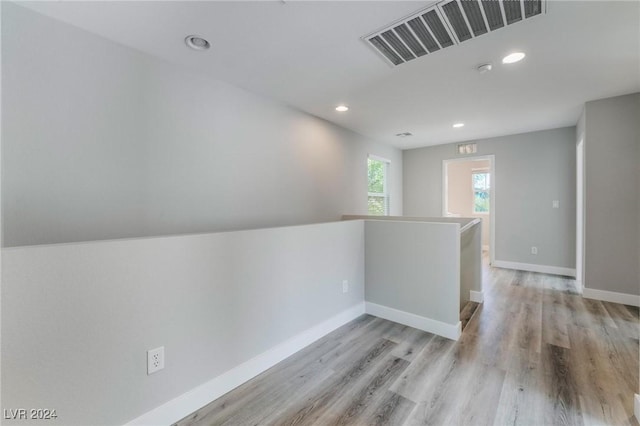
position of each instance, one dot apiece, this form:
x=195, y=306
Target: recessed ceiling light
x=513, y=58
x=197, y=43
x=342, y=108
x=458, y=125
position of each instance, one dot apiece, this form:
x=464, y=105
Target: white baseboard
x=579, y=286
x=531, y=267
x=636, y=407
x=611, y=296
x=476, y=296
x=196, y=398
x=443, y=329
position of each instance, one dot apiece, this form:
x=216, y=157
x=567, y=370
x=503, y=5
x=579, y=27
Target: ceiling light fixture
x=458, y=125
x=197, y=43
x=342, y=108
x=513, y=58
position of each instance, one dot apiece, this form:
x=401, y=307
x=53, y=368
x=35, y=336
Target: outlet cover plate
x=155, y=360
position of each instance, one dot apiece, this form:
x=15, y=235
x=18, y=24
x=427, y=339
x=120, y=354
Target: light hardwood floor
x=535, y=353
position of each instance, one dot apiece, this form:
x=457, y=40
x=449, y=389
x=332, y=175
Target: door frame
x=492, y=194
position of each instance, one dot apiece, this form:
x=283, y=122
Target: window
x=481, y=191
x=378, y=201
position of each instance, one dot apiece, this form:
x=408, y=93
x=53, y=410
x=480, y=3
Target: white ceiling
x=310, y=55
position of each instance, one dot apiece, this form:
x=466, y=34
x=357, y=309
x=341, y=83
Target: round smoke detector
x=484, y=68
x=197, y=43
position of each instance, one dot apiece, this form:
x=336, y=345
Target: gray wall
x=414, y=267
x=77, y=319
x=101, y=141
x=612, y=179
x=531, y=170
x=470, y=263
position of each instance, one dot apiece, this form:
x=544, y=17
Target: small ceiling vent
x=448, y=23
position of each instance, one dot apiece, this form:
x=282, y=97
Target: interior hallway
x=535, y=353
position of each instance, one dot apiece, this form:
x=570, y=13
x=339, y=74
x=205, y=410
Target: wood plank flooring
x=467, y=312
x=534, y=353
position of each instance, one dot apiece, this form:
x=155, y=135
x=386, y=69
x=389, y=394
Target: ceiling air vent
x=446, y=24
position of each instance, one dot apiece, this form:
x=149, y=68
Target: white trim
x=485, y=247
x=636, y=406
x=476, y=296
x=579, y=285
x=443, y=329
x=378, y=158
x=475, y=221
x=544, y=269
x=611, y=296
x=185, y=404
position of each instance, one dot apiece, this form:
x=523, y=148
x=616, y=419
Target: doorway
x=469, y=191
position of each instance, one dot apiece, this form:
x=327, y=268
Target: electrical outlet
x=556, y=204
x=155, y=360
x=534, y=250
x=345, y=286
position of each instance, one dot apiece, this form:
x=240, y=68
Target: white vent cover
x=447, y=23
x=467, y=148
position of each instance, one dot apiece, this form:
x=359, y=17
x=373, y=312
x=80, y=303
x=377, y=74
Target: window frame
x=385, y=184
x=486, y=189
